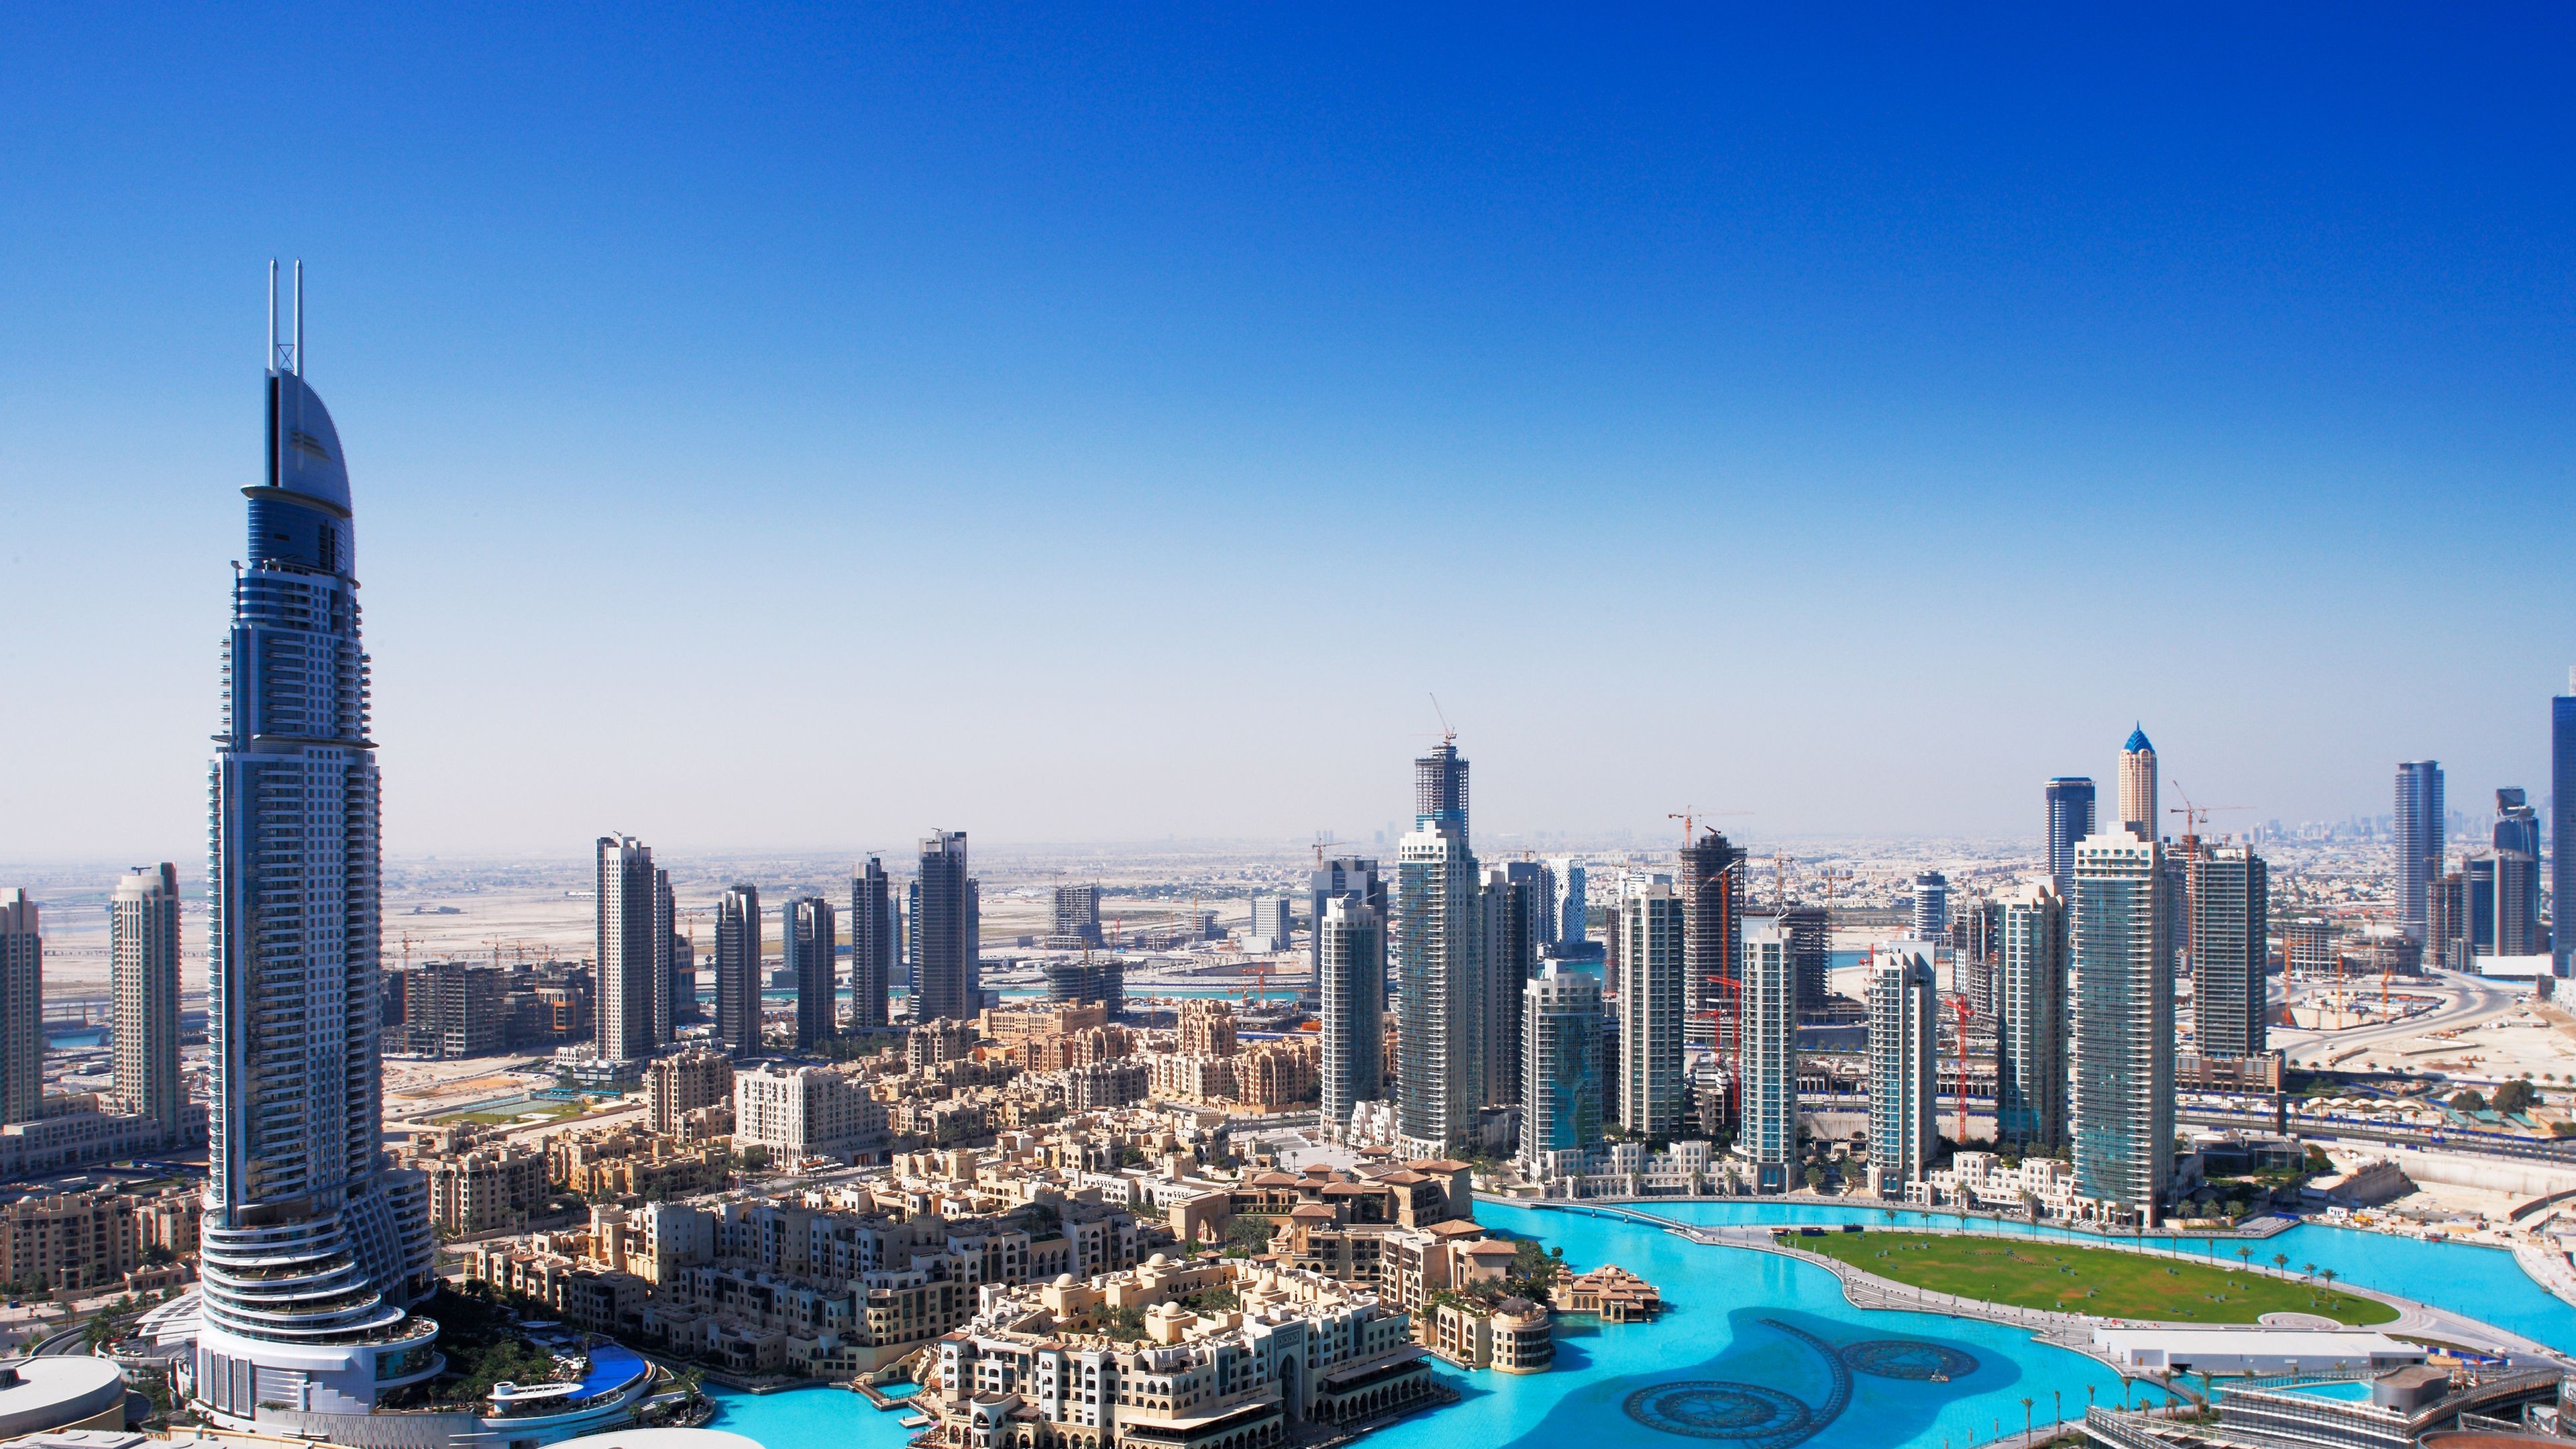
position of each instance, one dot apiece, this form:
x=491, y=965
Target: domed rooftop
x=1064, y=1280
x=2137, y=741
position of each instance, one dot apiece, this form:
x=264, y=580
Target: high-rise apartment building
x=1647, y=977
x=2070, y=819
x=1352, y=983
x=674, y=984
x=1342, y=877
x=943, y=974
x=312, y=1248
x=2562, y=826
x=738, y=970
x=1572, y=927
x=2138, y=786
x=872, y=946
x=1709, y=878
x=1439, y=964
x=1273, y=921
x=1076, y=921
x=1766, y=1062
x=1931, y=906
x=1811, y=936
x=809, y=943
x=2123, y=1027
x=2030, y=1025
x=143, y=985
x=2418, y=829
x=1904, y=1064
x=22, y=1009
x=2446, y=923
x=2227, y=917
x=1515, y=908
x=633, y=948
x=1561, y=1053
x=1440, y=788
x=2517, y=890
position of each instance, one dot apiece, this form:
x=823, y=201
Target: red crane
x=1959, y=1013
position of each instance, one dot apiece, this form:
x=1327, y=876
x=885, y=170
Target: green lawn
x=515, y=1116
x=2078, y=1279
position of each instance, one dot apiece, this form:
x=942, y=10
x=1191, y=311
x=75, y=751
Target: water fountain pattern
x=1763, y=1416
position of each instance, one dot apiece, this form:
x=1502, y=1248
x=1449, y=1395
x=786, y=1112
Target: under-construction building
x=1101, y=978
x=1077, y=918
x=1709, y=877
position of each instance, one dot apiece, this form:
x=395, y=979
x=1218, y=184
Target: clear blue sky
x=801, y=430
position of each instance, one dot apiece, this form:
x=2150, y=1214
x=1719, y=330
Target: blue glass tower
x=2070, y=819
x=314, y=1246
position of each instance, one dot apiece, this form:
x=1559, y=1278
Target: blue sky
x=798, y=429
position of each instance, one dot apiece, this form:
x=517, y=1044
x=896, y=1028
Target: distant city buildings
x=1337, y=878
x=2138, y=813
x=2123, y=1027
x=2418, y=828
x=943, y=973
x=873, y=938
x=1904, y=1061
x=22, y=1009
x=738, y=970
x=143, y=985
x=808, y=933
x=2517, y=876
x=1572, y=920
x=2070, y=819
x=1931, y=906
x=1075, y=924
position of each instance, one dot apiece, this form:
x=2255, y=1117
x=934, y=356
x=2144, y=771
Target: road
x=2468, y=1001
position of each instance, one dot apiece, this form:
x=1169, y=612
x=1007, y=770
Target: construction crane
x=1959, y=1012
x=1323, y=840
x=2195, y=816
x=1780, y=882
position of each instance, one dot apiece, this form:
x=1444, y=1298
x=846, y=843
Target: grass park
x=2071, y=1278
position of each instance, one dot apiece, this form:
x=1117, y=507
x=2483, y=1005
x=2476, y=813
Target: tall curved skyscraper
x=314, y=1246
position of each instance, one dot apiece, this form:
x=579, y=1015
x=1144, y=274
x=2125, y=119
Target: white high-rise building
x=1648, y=972
x=1352, y=983
x=2030, y=1022
x=1561, y=1070
x=1904, y=1064
x=2124, y=1025
x=2138, y=787
x=143, y=986
x=1439, y=964
x=1766, y=1134
x=313, y=1246
x=634, y=949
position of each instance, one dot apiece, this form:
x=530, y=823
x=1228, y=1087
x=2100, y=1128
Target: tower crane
x=1958, y=1004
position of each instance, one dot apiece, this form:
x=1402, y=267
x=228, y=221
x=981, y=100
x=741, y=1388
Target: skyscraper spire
x=313, y=1245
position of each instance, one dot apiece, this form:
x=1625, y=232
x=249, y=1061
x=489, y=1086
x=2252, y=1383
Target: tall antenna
x=269, y=362
x=299, y=316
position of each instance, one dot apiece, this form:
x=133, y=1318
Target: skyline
x=1247, y=360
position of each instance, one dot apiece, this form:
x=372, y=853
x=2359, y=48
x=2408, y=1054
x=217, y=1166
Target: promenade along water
x=1761, y=1350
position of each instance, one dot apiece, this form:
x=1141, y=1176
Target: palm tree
x=2327, y=1274
x=2308, y=1268
x=2281, y=1261
x=2025, y=1421
x=2245, y=1255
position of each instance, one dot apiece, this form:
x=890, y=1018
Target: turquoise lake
x=1757, y=1348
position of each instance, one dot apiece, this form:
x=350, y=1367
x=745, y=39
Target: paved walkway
x=2067, y=1330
